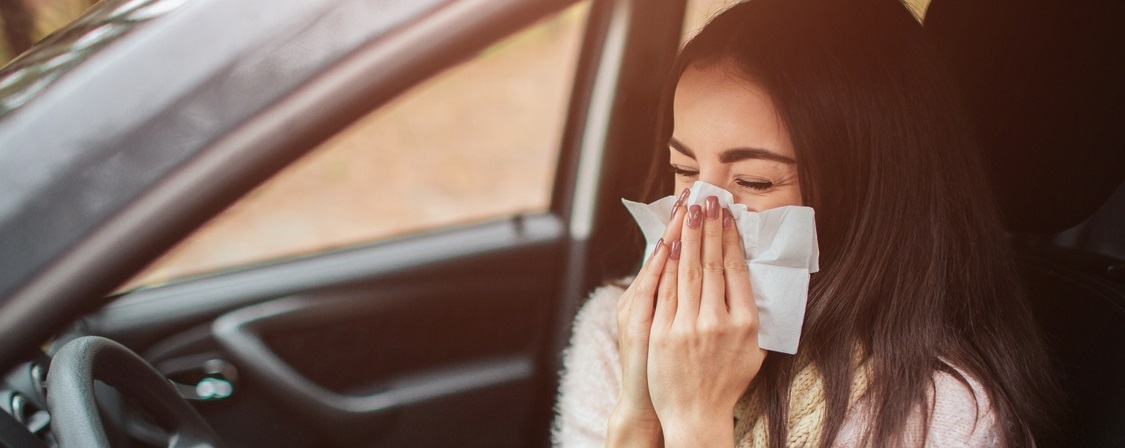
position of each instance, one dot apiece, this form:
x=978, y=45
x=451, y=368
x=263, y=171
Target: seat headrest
x=1045, y=85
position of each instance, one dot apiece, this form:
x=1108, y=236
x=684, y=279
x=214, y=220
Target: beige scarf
x=806, y=411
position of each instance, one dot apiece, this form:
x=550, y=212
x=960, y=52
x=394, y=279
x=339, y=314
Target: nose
x=713, y=177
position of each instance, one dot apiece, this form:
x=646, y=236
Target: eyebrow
x=735, y=154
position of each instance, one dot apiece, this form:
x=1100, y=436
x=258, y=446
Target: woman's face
x=728, y=134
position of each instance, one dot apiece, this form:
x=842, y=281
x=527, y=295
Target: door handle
x=205, y=377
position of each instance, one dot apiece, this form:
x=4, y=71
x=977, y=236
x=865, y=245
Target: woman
x=915, y=331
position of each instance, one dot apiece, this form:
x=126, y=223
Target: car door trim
x=202, y=299
x=238, y=334
x=596, y=131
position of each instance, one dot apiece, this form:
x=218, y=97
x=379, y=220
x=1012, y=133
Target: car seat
x=1045, y=84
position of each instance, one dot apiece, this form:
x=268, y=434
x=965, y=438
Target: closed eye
x=760, y=185
x=679, y=171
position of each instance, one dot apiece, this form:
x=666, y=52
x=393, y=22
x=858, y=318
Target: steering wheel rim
x=74, y=411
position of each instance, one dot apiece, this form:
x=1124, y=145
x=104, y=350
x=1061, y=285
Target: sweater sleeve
x=591, y=378
x=961, y=416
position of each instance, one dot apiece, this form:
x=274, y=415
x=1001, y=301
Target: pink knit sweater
x=591, y=383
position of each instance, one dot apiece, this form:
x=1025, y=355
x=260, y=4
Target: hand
x=634, y=421
x=704, y=339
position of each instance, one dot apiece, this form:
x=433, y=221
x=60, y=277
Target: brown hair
x=915, y=270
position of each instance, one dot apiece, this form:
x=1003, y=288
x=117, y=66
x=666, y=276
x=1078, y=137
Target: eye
x=759, y=185
x=679, y=171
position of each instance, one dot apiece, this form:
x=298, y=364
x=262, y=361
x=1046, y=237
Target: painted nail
x=655, y=250
x=674, y=250
x=727, y=219
x=712, y=207
x=679, y=201
x=683, y=195
x=694, y=216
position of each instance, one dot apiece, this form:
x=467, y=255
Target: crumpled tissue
x=780, y=250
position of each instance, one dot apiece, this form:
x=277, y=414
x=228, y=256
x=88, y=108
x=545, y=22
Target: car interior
x=1048, y=98
x=451, y=335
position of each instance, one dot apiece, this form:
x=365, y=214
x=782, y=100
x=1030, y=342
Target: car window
x=698, y=12
x=477, y=142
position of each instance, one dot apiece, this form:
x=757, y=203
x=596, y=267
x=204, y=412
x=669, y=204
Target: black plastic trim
x=239, y=334
x=131, y=318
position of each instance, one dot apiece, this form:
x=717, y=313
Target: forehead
x=715, y=109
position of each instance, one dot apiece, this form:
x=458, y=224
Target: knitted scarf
x=807, y=410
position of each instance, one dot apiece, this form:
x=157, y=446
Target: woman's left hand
x=703, y=347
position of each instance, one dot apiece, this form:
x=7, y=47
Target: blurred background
x=430, y=159
x=26, y=22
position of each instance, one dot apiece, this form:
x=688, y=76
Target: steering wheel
x=74, y=412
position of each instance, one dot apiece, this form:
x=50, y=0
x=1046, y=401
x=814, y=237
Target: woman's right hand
x=634, y=421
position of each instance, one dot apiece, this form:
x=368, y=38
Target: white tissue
x=780, y=249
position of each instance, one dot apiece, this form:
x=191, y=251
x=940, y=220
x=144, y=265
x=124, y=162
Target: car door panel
x=448, y=326
x=344, y=387
x=139, y=318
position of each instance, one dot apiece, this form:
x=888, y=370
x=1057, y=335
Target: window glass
x=919, y=7
x=699, y=12
x=477, y=142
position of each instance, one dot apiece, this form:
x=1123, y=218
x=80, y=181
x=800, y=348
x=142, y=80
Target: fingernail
x=694, y=216
x=674, y=250
x=655, y=250
x=679, y=201
x=727, y=218
x=712, y=207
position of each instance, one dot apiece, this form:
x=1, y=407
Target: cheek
x=680, y=185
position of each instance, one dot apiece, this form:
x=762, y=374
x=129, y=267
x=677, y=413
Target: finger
x=713, y=299
x=649, y=277
x=690, y=270
x=646, y=274
x=680, y=202
x=666, y=293
x=640, y=311
x=740, y=296
x=672, y=232
x=646, y=268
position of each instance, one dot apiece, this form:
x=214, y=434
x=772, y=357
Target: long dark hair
x=915, y=271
